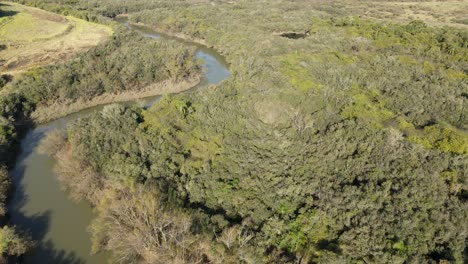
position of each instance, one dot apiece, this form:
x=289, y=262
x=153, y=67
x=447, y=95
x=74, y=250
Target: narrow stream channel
x=39, y=206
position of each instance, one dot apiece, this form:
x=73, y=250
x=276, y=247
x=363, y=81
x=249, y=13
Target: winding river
x=39, y=205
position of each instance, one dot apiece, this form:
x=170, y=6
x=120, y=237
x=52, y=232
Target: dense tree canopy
x=126, y=62
x=347, y=144
x=366, y=195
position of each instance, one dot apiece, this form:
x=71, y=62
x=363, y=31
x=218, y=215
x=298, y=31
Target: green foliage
x=400, y=246
x=367, y=109
x=297, y=73
x=11, y=243
x=443, y=138
x=308, y=149
x=126, y=62
x=4, y=189
x=415, y=37
x=226, y=179
x=306, y=234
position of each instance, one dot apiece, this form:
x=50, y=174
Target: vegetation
x=191, y=170
x=437, y=13
x=347, y=144
x=12, y=242
x=126, y=62
x=130, y=62
x=109, y=68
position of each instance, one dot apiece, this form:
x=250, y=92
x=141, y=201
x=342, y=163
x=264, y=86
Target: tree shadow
x=5, y=13
x=330, y=245
x=46, y=252
x=37, y=225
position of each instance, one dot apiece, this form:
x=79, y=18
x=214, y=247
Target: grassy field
x=33, y=37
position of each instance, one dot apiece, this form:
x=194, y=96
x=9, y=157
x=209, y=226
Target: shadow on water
x=57, y=256
x=37, y=225
x=6, y=13
x=38, y=205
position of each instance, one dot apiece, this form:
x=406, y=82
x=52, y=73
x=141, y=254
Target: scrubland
x=346, y=143
x=54, y=65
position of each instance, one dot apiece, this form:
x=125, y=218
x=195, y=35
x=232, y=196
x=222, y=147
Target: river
x=38, y=205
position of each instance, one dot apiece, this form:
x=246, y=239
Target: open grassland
x=437, y=13
x=33, y=37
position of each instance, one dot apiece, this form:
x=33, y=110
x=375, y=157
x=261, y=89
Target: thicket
x=348, y=145
x=323, y=195
x=125, y=62
x=13, y=243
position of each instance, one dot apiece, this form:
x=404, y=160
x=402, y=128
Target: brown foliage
x=53, y=142
x=134, y=226
x=74, y=175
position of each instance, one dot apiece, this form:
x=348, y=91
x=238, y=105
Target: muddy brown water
x=38, y=204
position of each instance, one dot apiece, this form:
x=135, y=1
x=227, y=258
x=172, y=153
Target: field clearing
x=34, y=37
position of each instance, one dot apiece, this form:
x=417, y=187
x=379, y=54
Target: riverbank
x=124, y=62
x=60, y=212
x=45, y=114
x=170, y=33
